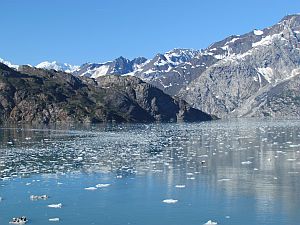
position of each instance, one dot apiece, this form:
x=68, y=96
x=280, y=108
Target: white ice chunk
x=210, y=222
x=59, y=205
x=246, y=163
x=170, y=201
x=54, y=219
x=102, y=185
x=90, y=188
x=180, y=186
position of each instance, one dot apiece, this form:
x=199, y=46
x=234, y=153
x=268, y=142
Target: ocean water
x=234, y=172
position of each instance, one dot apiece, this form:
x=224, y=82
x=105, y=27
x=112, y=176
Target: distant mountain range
x=255, y=74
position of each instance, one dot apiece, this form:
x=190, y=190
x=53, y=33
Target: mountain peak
x=291, y=20
x=57, y=66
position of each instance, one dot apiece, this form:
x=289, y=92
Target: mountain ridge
x=227, y=78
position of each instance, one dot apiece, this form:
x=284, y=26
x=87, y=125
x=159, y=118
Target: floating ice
x=294, y=146
x=39, y=197
x=102, y=185
x=291, y=160
x=170, y=201
x=54, y=219
x=210, y=222
x=246, y=163
x=90, y=188
x=59, y=205
x=224, y=179
x=19, y=220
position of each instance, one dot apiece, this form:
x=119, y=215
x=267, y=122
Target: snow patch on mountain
x=258, y=32
x=98, y=72
x=9, y=64
x=65, y=67
x=267, y=73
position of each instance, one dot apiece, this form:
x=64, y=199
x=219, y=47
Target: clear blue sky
x=78, y=31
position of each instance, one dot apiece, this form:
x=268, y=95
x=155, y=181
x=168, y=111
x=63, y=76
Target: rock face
x=249, y=79
x=47, y=96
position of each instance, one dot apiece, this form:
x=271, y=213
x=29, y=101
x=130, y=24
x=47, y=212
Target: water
x=243, y=172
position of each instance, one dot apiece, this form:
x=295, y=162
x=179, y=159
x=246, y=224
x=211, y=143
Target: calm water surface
x=239, y=172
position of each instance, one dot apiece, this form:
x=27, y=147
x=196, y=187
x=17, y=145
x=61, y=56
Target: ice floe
x=210, y=222
x=90, y=188
x=246, y=163
x=170, y=201
x=102, y=185
x=59, y=205
x=54, y=219
x=39, y=197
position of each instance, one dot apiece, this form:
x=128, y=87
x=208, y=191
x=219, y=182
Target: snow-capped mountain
x=119, y=66
x=238, y=76
x=174, y=69
x=9, y=64
x=169, y=71
x=242, y=75
x=251, y=71
x=57, y=66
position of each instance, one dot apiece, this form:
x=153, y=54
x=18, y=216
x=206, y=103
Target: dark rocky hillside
x=48, y=96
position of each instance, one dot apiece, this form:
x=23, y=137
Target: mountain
x=236, y=77
x=119, y=66
x=48, y=96
x=169, y=71
x=57, y=66
x=249, y=77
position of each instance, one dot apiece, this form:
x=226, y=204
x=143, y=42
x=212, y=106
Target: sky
x=80, y=31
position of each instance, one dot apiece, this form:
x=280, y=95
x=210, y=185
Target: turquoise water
x=239, y=172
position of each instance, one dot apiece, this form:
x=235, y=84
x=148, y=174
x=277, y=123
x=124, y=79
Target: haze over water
x=233, y=172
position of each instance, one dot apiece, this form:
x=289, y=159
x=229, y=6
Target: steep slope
x=174, y=69
x=47, y=96
x=250, y=66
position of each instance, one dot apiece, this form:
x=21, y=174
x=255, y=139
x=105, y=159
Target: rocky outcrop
x=48, y=96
